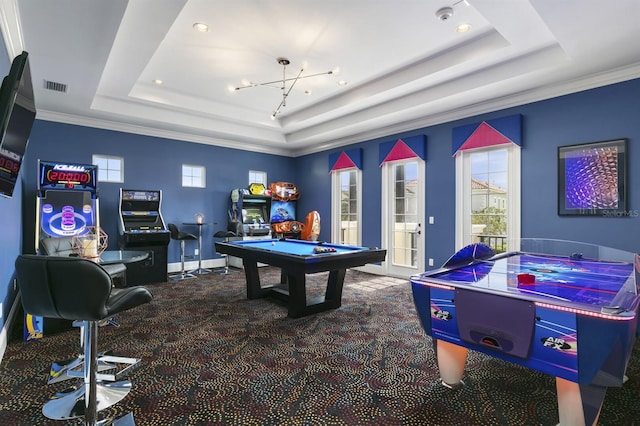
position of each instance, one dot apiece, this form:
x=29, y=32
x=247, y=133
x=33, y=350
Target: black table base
x=293, y=292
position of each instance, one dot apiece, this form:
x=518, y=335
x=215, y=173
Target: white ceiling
x=404, y=67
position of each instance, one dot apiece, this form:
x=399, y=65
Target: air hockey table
x=566, y=309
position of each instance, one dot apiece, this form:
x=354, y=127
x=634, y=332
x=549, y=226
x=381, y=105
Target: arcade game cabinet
x=249, y=216
x=249, y=212
x=283, y=210
x=66, y=206
x=142, y=228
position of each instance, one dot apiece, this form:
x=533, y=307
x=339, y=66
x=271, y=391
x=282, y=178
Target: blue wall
x=11, y=229
x=150, y=163
x=155, y=163
x=605, y=113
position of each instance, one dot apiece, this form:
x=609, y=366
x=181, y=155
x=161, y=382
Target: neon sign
x=69, y=176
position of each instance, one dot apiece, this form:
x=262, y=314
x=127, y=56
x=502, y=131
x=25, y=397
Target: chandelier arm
x=294, y=83
x=277, y=110
x=267, y=83
x=284, y=95
x=314, y=75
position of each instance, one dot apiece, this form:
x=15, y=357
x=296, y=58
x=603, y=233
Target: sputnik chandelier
x=282, y=83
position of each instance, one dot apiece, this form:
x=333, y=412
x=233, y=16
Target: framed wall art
x=592, y=179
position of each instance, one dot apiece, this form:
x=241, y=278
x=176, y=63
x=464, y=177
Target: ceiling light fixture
x=283, y=83
x=201, y=27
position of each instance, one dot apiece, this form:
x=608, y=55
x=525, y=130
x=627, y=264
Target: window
x=346, y=211
x=110, y=169
x=257, y=177
x=488, y=197
x=193, y=176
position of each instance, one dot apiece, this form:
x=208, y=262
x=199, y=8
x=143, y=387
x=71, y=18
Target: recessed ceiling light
x=342, y=83
x=201, y=27
x=463, y=28
x=158, y=82
x=307, y=92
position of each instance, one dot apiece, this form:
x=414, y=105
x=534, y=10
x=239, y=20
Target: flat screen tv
x=17, y=114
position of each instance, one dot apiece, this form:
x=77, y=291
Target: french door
x=403, y=199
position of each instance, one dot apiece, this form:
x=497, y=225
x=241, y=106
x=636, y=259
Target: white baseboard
x=4, y=334
x=191, y=265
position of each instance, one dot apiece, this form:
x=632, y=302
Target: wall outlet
x=432, y=220
x=196, y=251
x=430, y=262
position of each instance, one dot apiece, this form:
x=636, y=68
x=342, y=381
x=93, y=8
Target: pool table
x=566, y=309
x=296, y=258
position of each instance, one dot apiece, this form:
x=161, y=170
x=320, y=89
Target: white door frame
x=387, y=213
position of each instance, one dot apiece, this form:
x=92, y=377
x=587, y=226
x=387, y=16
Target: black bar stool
x=225, y=235
x=78, y=289
x=178, y=235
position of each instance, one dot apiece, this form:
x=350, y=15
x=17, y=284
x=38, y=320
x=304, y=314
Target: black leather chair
x=63, y=246
x=225, y=235
x=78, y=289
x=178, y=235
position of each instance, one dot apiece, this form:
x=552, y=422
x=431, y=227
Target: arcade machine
x=249, y=216
x=283, y=214
x=66, y=206
x=249, y=212
x=142, y=228
x=283, y=210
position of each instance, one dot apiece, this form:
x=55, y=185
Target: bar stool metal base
x=60, y=369
x=200, y=271
x=223, y=271
x=71, y=405
x=182, y=276
x=70, y=368
x=126, y=420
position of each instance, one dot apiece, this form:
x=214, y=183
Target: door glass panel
x=405, y=214
x=489, y=184
x=348, y=208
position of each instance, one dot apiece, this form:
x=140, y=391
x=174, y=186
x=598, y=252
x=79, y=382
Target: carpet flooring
x=212, y=357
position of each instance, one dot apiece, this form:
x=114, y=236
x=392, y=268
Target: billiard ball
x=273, y=243
x=319, y=249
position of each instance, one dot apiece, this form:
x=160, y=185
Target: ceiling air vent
x=56, y=87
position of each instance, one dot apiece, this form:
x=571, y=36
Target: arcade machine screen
x=254, y=214
x=282, y=211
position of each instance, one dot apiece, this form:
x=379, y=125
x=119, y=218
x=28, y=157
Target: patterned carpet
x=211, y=357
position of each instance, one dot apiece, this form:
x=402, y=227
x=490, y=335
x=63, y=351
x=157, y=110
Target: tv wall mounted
x=17, y=114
